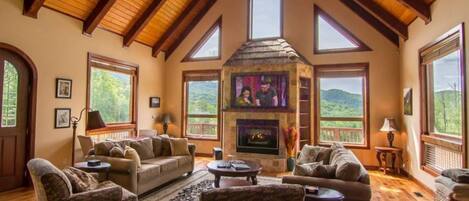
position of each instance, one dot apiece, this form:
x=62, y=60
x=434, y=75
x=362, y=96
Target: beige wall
x=446, y=14
x=58, y=49
x=298, y=29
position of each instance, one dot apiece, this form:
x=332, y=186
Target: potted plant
x=290, y=135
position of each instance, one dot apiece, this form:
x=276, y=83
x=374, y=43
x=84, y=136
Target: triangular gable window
x=331, y=37
x=208, y=48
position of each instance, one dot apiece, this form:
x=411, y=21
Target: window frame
x=362, y=47
x=126, y=68
x=250, y=18
x=445, y=141
x=200, y=75
x=355, y=68
x=189, y=57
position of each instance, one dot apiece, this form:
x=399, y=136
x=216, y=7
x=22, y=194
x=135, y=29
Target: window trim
x=185, y=106
x=249, y=23
x=189, y=57
x=127, y=68
x=443, y=140
x=363, y=69
x=362, y=47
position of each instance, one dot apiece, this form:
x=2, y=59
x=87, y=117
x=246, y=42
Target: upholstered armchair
x=51, y=184
x=273, y=192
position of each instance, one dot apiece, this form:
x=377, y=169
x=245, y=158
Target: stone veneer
x=274, y=55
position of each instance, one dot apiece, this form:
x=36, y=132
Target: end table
x=103, y=167
x=383, y=152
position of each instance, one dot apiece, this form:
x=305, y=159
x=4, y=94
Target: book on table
x=240, y=166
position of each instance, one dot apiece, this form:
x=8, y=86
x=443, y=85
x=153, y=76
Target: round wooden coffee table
x=325, y=194
x=250, y=174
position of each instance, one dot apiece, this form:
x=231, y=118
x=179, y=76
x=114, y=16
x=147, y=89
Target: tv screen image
x=260, y=90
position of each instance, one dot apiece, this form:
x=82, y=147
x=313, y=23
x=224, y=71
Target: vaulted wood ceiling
x=163, y=24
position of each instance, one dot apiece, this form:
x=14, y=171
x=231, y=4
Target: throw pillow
x=157, y=146
x=305, y=169
x=179, y=147
x=80, y=180
x=324, y=171
x=144, y=148
x=308, y=154
x=165, y=146
x=117, y=151
x=103, y=148
x=348, y=171
x=324, y=155
x=132, y=154
x=337, y=145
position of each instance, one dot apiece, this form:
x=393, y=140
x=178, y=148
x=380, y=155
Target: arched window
x=9, y=94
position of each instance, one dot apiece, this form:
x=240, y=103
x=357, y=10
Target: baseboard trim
x=203, y=155
x=419, y=183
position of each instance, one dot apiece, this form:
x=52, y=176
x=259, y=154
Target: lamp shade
x=94, y=121
x=389, y=125
x=167, y=119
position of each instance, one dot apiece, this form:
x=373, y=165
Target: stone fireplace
x=257, y=136
x=256, y=133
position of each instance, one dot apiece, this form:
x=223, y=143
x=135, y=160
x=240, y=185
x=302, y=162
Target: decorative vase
x=290, y=163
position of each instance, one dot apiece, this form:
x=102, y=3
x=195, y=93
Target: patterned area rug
x=189, y=187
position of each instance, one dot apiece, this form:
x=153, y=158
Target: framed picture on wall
x=407, y=101
x=154, y=102
x=63, y=88
x=62, y=118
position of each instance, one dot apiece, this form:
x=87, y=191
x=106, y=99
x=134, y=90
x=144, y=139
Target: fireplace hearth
x=257, y=136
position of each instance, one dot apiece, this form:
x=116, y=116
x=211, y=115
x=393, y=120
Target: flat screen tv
x=259, y=90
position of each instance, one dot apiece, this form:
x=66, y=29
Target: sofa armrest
x=351, y=190
x=122, y=166
x=113, y=193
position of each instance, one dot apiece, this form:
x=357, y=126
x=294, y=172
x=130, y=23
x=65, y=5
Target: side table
x=382, y=154
x=103, y=167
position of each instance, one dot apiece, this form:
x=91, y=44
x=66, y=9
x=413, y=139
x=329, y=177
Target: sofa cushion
x=183, y=160
x=148, y=171
x=324, y=155
x=166, y=163
x=305, y=169
x=80, y=180
x=324, y=171
x=179, y=147
x=144, y=148
x=165, y=145
x=116, y=151
x=157, y=145
x=132, y=154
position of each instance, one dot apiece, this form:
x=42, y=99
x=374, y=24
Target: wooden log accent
x=419, y=8
x=31, y=7
x=98, y=13
x=142, y=21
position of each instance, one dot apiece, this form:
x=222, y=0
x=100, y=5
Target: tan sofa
x=152, y=173
x=353, y=190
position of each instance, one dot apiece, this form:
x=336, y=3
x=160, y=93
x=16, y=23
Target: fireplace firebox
x=257, y=136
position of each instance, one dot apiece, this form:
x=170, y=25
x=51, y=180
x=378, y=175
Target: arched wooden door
x=14, y=94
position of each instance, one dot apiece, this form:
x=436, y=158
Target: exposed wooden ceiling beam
x=385, y=17
x=159, y=44
x=98, y=13
x=372, y=20
x=142, y=21
x=31, y=7
x=420, y=8
x=189, y=28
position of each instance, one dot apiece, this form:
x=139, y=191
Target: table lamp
x=389, y=126
x=94, y=121
x=166, y=121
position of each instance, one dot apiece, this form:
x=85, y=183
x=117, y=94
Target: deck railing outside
x=201, y=129
x=344, y=135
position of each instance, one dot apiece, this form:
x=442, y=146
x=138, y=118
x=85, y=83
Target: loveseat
x=348, y=175
x=157, y=163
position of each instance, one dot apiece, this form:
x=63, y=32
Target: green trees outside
x=447, y=112
x=339, y=103
x=10, y=95
x=202, y=100
x=111, y=95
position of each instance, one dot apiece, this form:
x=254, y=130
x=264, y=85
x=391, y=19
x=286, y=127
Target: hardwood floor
x=384, y=187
